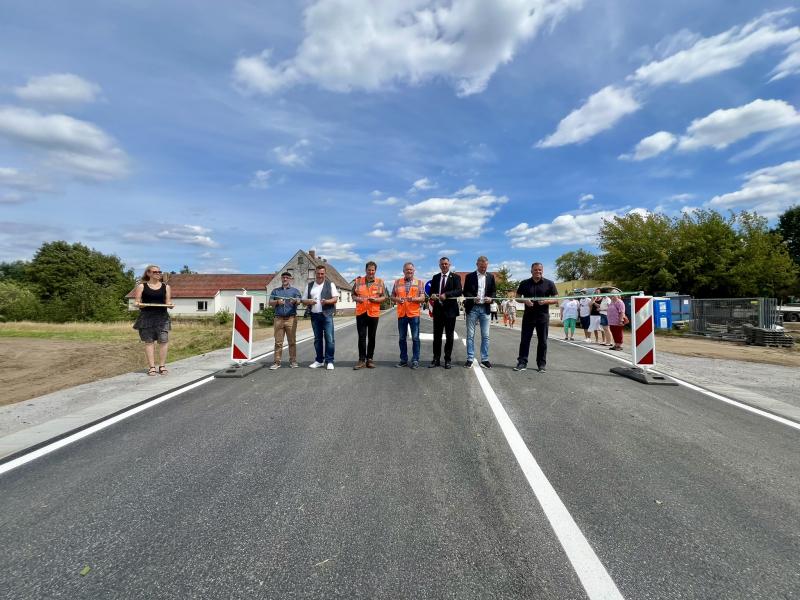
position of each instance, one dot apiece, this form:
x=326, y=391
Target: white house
x=203, y=295
x=302, y=267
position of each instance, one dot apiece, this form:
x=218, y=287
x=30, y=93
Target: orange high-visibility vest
x=373, y=290
x=408, y=309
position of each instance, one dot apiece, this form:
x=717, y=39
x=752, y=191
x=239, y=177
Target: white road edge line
x=595, y=579
x=18, y=462
x=697, y=388
x=44, y=450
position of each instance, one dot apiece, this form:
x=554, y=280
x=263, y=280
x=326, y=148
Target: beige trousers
x=287, y=326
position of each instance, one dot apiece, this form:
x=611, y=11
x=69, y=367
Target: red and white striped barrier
x=644, y=335
x=242, y=342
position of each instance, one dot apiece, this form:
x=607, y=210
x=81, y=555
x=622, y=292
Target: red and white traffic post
x=643, y=344
x=643, y=332
x=242, y=339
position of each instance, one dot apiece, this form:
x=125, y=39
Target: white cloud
x=564, y=229
x=58, y=88
x=376, y=193
x=380, y=233
x=600, y=112
x=332, y=251
x=703, y=58
x=519, y=269
x=462, y=216
x=790, y=65
x=296, y=155
x=681, y=197
x=367, y=45
x=390, y=201
x=422, y=184
x=392, y=254
x=769, y=191
x=78, y=147
x=260, y=180
x=21, y=182
x=722, y=52
x=586, y=198
x=194, y=235
x=724, y=127
x=651, y=146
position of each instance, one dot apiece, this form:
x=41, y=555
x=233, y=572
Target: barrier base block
x=643, y=376
x=242, y=370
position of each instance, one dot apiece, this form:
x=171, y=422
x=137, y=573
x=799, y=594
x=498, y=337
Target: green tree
x=503, y=282
x=187, y=271
x=577, y=264
x=789, y=230
x=13, y=271
x=17, y=303
x=762, y=265
x=637, y=252
x=78, y=283
x=704, y=249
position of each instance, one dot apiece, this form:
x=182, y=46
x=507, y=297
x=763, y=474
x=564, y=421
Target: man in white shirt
x=321, y=295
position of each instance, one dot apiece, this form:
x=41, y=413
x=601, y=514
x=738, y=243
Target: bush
x=18, y=303
x=224, y=316
x=266, y=316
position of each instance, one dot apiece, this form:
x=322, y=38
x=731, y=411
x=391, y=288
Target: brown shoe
x=359, y=365
x=370, y=364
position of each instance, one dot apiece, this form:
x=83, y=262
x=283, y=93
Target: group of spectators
x=600, y=316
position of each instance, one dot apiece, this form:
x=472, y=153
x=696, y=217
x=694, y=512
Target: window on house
x=301, y=261
x=290, y=271
x=202, y=306
x=311, y=274
x=260, y=306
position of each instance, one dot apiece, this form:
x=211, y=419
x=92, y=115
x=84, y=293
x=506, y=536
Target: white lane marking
x=697, y=388
x=595, y=579
x=44, y=450
x=18, y=462
x=429, y=336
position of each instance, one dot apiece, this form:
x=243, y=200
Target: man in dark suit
x=479, y=289
x=445, y=288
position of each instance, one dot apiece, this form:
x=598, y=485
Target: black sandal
x=162, y=370
x=152, y=372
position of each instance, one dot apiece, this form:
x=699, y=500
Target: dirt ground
x=32, y=367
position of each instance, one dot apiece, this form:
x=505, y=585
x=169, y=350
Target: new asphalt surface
x=399, y=483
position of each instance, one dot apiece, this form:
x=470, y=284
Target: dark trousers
x=541, y=327
x=448, y=326
x=366, y=326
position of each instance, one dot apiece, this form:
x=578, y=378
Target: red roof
x=207, y=285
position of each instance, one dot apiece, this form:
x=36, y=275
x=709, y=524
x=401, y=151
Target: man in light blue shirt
x=285, y=300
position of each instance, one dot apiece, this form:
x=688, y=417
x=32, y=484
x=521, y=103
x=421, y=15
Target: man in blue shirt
x=285, y=300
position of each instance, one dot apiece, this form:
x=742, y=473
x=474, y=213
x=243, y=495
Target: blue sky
x=227, y=135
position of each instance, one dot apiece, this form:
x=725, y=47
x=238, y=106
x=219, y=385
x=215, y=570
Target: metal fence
x=724, y=317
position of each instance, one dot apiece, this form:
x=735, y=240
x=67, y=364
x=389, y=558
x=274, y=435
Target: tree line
x=702, y=253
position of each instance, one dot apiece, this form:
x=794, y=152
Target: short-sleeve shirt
x=316, y=293
x=544, y=288
x=288, y=309
x=570, y=308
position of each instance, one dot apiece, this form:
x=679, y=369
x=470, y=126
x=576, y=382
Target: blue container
x=681, y=307
x=662, y=313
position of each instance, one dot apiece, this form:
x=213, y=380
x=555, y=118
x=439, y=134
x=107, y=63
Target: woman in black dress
x=153, y=322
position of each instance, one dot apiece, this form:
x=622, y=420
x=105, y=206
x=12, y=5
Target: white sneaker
x=316, y=365
x=274, y=366
x=330, y=367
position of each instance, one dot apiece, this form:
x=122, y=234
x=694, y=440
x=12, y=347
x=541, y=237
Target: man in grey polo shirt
x=285, y=300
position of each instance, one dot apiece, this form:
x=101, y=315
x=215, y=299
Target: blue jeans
x=403, y=323
x=477, y=314
x=322, y=325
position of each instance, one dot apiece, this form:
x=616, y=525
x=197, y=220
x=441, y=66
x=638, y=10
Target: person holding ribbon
x=536, y=316
x=153, y=297
x=368, y=294
x=285, y=300
x=445, y=289
x=409, y=294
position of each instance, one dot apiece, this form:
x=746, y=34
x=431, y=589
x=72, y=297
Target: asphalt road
x=392, y=483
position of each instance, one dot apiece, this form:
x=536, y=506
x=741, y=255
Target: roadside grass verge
x=187, y=338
